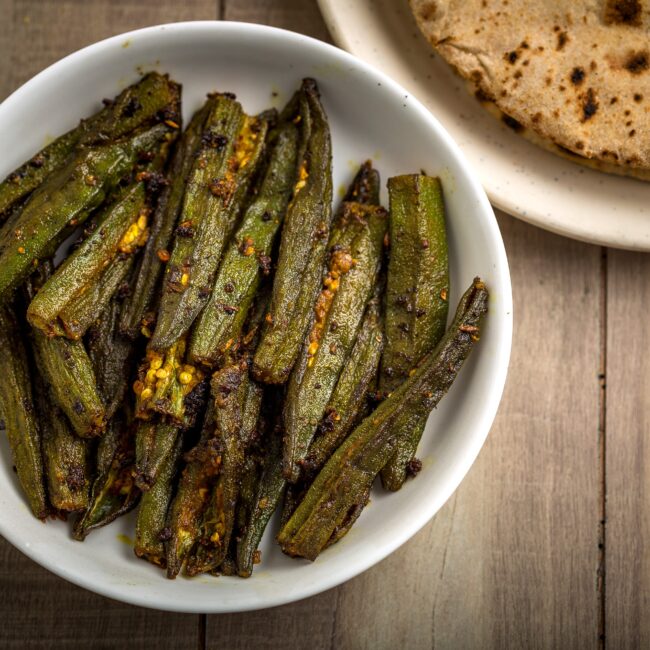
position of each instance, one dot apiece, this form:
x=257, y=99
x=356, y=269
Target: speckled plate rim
x=540, y=188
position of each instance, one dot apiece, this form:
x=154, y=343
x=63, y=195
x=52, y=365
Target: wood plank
x=39, y=609
x=296, y=15
x=627, y=572
x=43, y=31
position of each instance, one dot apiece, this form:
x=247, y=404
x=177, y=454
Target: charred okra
x=68, y=371
x=248, y=256
x=416, y=295
x=237, y=402
x=303, y=246
x=143, y=298
x=111, y=355
x=113, y=492
x=150, y=527
x=105, y=254
x=18, y=414
x=66, y=199
x=202, y=465
x=348, y=402
x=231, y=149
x=343, y=483
x=355, y=254
x=144, y=103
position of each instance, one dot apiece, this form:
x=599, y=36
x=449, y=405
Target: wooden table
x=543, y=545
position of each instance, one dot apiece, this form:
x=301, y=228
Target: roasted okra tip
x=219, y=342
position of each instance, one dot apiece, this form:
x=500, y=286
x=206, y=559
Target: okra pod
x=416, y=297
x=349, y=473
x=355, y=254
x=121, y=230
x=202, y=465
x=269, y=491
x=81, y=312
x=66, y=457
x=349, y=398
x=231, y=149
x=66, y=199
x=248, y=256
x=152, y=263
x=154, y=442
x=68, y=371
x=18, y=414
x=150, y=527
x=418, y=275
x=152, y=98
x=231, y=392
x=302, y=247
x=111, y=355
x=113, y=492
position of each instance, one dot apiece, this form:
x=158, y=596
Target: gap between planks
x=602, y=454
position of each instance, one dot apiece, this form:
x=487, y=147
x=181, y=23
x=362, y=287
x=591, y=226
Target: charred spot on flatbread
x=623, y=12
x=637, y=62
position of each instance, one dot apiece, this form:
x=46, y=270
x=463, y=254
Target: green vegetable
x=66, y=199
x=269, y=490
x=143, y=298
x=416, y=297
x=138, y=105
x=248, y=256
x=111, y=355
x=18, y=414
x=120, y=231
x=150, y=527
x=355, y=254
x=68, y=371
x=418, y=275
x=302, y=247
x=348, y=402
x=231, y=149
x=340, y=487
x=113, y=492
x=202, y=465
x=66, y=458
x=237, y=403
x=154, y=442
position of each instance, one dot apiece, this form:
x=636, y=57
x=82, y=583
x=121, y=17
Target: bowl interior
x=371, y=117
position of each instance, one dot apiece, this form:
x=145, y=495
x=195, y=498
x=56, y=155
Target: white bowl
x=371, y=117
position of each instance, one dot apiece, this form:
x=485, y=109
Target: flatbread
x=573, y=77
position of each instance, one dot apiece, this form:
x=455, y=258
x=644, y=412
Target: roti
x=572, y=77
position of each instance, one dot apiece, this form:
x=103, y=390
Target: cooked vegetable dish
x=217, y=343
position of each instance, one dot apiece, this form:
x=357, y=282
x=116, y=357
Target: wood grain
x=627, y=585
x=512, y=558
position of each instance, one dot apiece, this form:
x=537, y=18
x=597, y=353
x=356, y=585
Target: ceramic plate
x=370, y=116
x=519, y=177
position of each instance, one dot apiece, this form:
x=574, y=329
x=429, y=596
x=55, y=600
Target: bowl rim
x=502, y=347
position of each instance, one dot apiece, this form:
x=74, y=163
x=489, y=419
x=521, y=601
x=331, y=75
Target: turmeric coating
x=341, y=261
